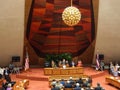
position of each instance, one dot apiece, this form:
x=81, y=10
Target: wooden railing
x=115, y=81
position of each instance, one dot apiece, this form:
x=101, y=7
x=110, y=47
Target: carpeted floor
x=38, y=81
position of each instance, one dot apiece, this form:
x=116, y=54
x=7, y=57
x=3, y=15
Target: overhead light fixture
x=71, y=15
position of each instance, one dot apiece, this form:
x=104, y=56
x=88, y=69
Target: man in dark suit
x=71, y=81
x=68, y=85
x=6, y=74
x=55, y=88
x=98, y=87
x=80, y=81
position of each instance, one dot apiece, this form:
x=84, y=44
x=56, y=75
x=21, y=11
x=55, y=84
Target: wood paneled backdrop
x=46, y=33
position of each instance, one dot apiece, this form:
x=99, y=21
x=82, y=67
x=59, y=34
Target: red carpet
x=38, y=81
x=38, y=74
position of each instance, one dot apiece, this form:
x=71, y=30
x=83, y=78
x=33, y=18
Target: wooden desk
x=115, y=81
x=21, y=85
x=61, y=71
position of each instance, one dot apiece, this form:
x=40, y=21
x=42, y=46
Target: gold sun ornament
x=71, y=15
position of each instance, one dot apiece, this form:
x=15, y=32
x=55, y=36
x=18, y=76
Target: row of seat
x=66, y=77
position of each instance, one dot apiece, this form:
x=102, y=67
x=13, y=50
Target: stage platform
x=38, y=74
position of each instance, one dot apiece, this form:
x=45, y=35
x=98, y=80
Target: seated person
x=62, y=82
x=9, y=87
x=89, y=80
x=67, y=63
x=79, y=64
x=115, y=73
x=53, y=64
x=72, y=64
x=55, y=88
x=11, y=67
x=16, y=70
x=85, y=83
x=119, y=72
x=68, y=85
x=64, y=63
x=98, y=87
x=59, y=85
x=117, y=66
x=53, y=82
x=80, y=81
x=71, y=81
x=60, y=63
x=77, y=87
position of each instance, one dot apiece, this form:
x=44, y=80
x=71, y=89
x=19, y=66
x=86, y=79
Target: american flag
x=27, y=62
x=97, y=61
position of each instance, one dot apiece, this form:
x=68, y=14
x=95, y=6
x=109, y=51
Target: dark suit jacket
x=98, y=88
x=55, y=88
x=80, y=81
x=68, y=85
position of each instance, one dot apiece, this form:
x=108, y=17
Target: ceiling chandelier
x=71, y=15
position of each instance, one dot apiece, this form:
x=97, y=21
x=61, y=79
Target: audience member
x=89, y=80
x=53, y=82
x=98, y=87
x=62, y=82
x=55, y=88
x=119, y=71
x=11, y=67
x=2, y=70
x=71, y=81
x=117, y=66
x=115, y=73
x=59, y=85
x=77, y=87
x=7, y=74
x=85, y=83
x=68, y=85
x=9, y=87
x=16, y=70
x=80, y=81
